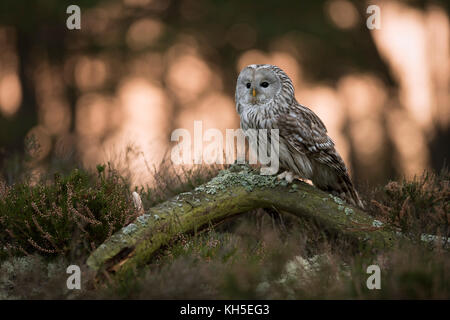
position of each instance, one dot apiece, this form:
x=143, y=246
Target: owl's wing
x=305, y=132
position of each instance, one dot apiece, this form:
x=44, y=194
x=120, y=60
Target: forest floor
x=57, y=219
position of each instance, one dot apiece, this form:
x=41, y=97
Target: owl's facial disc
x=257, y=86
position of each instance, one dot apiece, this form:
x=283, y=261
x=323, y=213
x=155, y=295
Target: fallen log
x=234, y=191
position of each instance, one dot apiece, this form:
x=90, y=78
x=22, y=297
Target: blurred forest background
x=138, y=69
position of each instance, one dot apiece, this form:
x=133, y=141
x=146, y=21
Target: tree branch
x=233, y=191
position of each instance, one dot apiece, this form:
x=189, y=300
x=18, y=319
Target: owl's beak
x=254, y=92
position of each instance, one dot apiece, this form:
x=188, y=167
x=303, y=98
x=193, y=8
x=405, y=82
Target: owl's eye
x=248, y=85
x=264, y=84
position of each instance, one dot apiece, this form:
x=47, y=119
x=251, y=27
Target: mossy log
x=234, y=191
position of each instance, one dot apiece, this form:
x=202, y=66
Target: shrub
x=69, y=215
x=419, y=206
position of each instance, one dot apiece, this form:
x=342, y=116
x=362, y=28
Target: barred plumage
x=265, y=100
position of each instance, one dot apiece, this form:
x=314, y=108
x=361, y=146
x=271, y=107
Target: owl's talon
x=282, y=175
x=288, y=176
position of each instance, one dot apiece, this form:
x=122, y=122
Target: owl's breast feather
x=258, y=117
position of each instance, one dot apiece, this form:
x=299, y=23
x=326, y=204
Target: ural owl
x=265, y=100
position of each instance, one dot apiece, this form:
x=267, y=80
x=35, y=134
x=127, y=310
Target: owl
x=265, y=100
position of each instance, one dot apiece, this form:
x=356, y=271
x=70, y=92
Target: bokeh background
x=138, y=69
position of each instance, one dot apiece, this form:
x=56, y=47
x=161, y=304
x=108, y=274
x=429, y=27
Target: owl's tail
x=347, y=191
x=336, y=180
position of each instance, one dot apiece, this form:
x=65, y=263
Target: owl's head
x=260, y=84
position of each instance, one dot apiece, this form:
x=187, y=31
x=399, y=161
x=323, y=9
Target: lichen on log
x=233, y=191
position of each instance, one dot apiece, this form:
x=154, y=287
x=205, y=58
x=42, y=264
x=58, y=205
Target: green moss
x=238, y=175
x=348, y=211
